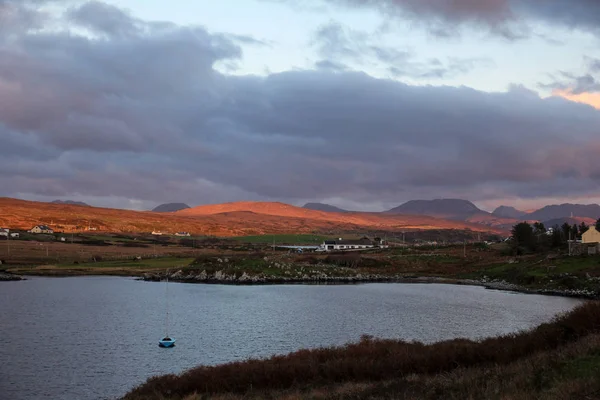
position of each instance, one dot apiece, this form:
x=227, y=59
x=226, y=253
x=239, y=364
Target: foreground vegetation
x=556, y=360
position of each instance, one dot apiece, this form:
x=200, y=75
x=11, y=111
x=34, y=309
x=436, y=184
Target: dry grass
x=545, y=375
x=376, y=361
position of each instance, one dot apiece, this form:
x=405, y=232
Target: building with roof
x=41, y=229
x=345, y=244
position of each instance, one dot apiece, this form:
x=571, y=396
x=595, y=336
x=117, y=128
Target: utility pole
x=8, y=242
x=465, y=248
x=570, y=241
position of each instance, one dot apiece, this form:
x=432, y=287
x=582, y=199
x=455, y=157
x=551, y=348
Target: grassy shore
x=258, y=263
x=127, y=267
x=557, y=360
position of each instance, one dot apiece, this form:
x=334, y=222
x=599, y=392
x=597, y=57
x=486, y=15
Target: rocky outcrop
x=5, y=277
x=220, y=277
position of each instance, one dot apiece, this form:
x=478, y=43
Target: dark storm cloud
x=137, y=110
x=506, y=18
x=339, y=46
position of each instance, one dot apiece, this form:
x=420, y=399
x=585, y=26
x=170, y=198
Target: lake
x=96, y=337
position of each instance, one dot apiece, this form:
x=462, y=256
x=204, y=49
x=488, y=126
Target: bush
x=351, y=260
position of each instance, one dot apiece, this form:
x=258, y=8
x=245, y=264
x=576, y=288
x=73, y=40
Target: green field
x=148, y=263
x=577, y=272
x=127, y=267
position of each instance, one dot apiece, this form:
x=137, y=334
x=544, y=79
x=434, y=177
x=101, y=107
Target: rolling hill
x=229, y=219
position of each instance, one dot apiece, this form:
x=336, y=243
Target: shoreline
x=246, y=280
x=504, y=286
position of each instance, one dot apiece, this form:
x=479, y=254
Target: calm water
x=96, y=338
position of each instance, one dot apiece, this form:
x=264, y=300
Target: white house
x=182, y=234
x=345, y=245
x=157, y=233
x=41, y=229
x=4, y=232
x=14, y=235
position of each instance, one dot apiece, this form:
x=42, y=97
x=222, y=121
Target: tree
x=523, y=236
x=598, y=225
x=574, y=231
x=557, y=237
x=539, y=228
x=566, y=230
x=583, y=228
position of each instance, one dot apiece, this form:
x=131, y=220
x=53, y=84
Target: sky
x=363, y=104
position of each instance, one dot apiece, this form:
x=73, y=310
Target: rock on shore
x=4, y=277
x=220, y=277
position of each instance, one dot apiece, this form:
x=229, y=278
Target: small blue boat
x=166, y=342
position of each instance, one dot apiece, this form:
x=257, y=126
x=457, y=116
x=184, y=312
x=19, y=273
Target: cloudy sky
x=359, y=103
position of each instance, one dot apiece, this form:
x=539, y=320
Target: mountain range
x=502, y=217
x=253, y=218
x=228, y=219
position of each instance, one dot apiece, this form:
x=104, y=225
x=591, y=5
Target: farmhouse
x=361, y=244
x=4, y=232
x=591, y=236
x=41, y=229
x=590, y=241
x=182, y=234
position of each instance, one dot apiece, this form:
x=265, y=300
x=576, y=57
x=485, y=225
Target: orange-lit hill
x=230, y=219
x=321, y=220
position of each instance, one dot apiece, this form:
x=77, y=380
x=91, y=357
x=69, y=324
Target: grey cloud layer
x=508, y=18
x=140, y=112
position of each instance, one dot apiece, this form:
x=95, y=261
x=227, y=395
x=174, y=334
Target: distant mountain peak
x=70, y=202
x=323, y=207
x=450, y=208
x=508, y=212
x=170, y=207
